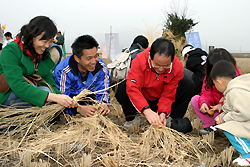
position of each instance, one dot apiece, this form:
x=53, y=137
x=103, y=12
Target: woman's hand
x=63, y=100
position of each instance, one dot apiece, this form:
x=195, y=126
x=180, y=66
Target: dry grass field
x=73, y=141
x=243, y=64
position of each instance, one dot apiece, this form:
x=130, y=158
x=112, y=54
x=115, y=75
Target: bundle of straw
x=25, y=121
x=97, y=141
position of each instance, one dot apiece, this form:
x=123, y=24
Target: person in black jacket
x=59, y=38
x=140, y=42
x=195, y=61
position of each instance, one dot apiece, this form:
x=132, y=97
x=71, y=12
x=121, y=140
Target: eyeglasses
x=164, y=67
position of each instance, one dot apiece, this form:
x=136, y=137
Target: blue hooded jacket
x=69, y=81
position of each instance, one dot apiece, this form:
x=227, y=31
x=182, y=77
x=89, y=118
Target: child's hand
x=219, y=119
x=222, y=99
x=204, y=108
x=217, y=107
x=210, y=112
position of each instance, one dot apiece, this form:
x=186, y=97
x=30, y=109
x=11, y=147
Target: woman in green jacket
x=29, y=55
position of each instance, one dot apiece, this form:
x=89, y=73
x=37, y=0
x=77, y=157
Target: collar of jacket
x=45, y=65
x=73, y=66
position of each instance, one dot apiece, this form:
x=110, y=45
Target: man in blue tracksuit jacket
x=84, y=70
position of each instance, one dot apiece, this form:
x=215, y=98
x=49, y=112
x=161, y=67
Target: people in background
x=59, y=39
x=195, y=62
x=8, y=38
x=1, y=38
x=139, y=43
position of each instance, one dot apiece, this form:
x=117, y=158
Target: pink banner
x=105, y=52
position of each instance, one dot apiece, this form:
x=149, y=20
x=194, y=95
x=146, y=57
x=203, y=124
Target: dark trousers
x=184, y=93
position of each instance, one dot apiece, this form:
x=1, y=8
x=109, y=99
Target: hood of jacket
x=240, y=82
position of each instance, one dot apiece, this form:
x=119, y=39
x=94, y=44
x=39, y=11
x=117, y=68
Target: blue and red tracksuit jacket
x=69, y=81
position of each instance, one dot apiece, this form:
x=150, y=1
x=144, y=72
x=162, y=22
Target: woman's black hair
x=213, y=57
x=33, y=29
x=140, y=39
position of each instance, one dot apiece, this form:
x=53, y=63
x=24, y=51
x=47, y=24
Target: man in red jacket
x=155, y=85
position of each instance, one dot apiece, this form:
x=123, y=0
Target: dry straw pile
x=97, y=141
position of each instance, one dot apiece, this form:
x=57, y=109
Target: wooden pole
x=110, y=36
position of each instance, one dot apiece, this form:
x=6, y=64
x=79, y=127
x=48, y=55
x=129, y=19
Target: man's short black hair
x=8, y=34
x=164, y=47
x=83, y=42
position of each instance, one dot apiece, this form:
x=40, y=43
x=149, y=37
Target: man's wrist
x=144, y=108
x=146, y=111
x=163, y=112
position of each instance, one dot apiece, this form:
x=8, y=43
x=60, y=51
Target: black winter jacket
x=195, y=63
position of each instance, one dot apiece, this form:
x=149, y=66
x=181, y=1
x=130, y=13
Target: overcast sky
x=222, y=23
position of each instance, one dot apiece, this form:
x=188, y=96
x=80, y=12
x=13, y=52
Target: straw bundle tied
x=105, y=143
x=96, y=141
